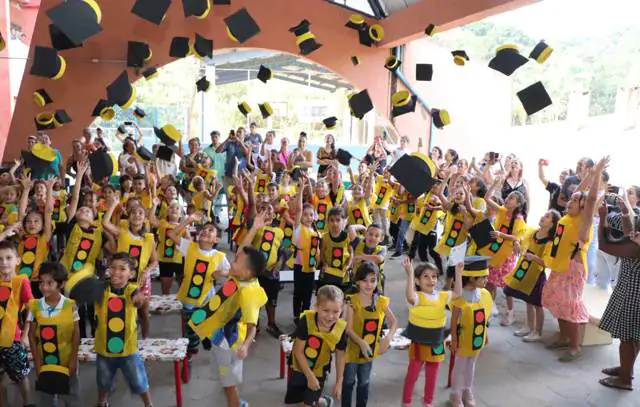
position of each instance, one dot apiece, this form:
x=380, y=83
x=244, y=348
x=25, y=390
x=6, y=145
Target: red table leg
x=452, y=364
x=178, y=380
x=186, y=373
x=282, y=362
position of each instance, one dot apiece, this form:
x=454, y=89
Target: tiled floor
x=510, y=372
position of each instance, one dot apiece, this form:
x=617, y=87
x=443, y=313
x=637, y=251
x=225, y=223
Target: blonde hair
x=329, y=293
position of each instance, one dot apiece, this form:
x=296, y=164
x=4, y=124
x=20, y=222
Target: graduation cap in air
x=44, y=121
x=222, y=2
x=244, y=108
x=330, y=122
x=164, y=153
x=121, y=92
x=150, y=73
x=541, y=52
x=83, y=285
x=476, y=266
x=392, y=63
x=137, y=54
x=305, y=39
x=507, y=59
x=403, y=102
x=360, y=104
x=460, y=57
x=41, y=98
x=122, y=129
x=104, y=110
x=168, y=134
x=424, y=72
x=77, y=20
x=481, y=233
x=59, y=40
x=534, y=98
x=265, y=110
x=241, y=26
x=60, y=117
x=197, y=8
x=139, y=113
x=202, y=85
x=355, y=21
x=369, y=35
x=144, y=154
x=53, y=378
x=440, y=118
x=203, y=47
x=43, y=152
x=153, y=11
x=415, y=172
x=264, y=74
x=344, y=157
x=103, y=165
x=179, y=47
x=355, y=60
x=430, y=30
x=47, y=63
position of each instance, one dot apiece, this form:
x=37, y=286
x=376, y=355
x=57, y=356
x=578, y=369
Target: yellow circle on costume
x=214, y=304
x=81, y=255
x=525, y=264
x=454, y=233
x=556, y=241
x=336, y=263
x=116, y=324
x=168, y=242
x=320, y=216
x=313, y=251
x=28, y=257
x=369, y=338
x=479, y=329
x=197, y=280
x=311, y=353
x=266, y=246
x=49, y=347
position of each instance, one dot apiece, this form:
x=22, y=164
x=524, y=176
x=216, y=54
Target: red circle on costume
x=30, y=243
x=313, y=342
x=115, y=304
x=56, y=204
x=357, y=213
x=135, y=251
x=85, y=244
x=457, y=225
x=201, y=267
x=5, y=292
x=480, y=317
x=504, y=229
x=268, y=236
x=47, y=333
x=560, y=229
x=371, y=326
x=337, y=252
x=229, y=288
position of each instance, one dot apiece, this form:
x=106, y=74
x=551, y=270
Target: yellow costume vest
x=161, y=212
x=382, y=194
x=55, y=334
x=9, y=307
x=33, y=251
x=408, y=210
x=60, y=199
x=454, y=233
x=564, y=244
x=501, y=249
x=83, y=247
x=116, y=328
x=238, y=206
x=428, y=319
x=472, y=323
x=367, y=324
x=319, y=345
x=426, y=220
x=336, y=256
x=525, y=275
x=198, y=275
x=207, y=174
x=360, y=250
x=322, y=207
x=201, y=202
x=268, y=240
x=138, y=247
x=358, y=213
x=146, y=200
x=287, y=192
x=167, y=251
x=339, y=196
x=234, y=306
x=309, y=249
x=262, y=182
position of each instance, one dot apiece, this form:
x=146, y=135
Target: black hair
x=255, y=261
x=605, y=176
x=123, y=179
x=214, y=133
x=636, y=190
x=439, y=150
x=555, y=215
x=374, y=225
x=518, y=211
x=8, y=245
x=252, y=124
x=139, y=177
x=454, y=155
x=365, y=268
x=336, y=211
x=482, y=186
x=109, y=186
x=126, y=258
x=272, y=184
x=204, y=225
x=24, y=220
x=303, y=134
x=57, y=271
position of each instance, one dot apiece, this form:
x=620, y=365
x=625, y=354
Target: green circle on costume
x=77, y=265
x=168, y=252
x=520, y=273
x=450, y=241
x=115, y=345
x=495, y=246
x=438, y=349
x=194, y=292
x=26, y=271
x=50, y=360
x=312, y=261
x=198, y=316
x=311, y=363
x=477, y=341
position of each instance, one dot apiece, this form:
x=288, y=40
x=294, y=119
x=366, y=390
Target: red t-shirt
x=25, y=296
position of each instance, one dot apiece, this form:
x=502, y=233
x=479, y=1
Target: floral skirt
x=497, y=274
x=562, y=294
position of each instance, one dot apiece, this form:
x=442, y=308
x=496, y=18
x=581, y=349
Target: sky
x=561, y=19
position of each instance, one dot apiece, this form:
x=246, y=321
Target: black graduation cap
x=53, y=379
x=541, y=52
x=392, y=63
x=403, y=102
x=430, y=30
x=415, y=172
x=368, y=35
x=103, y=109
x=144, y=153
x=78, y=20
x=360, y=104
x=168, y=134
x=59, y=40
x=344, y=157
x=476, y=266
x=44, y=121
x=534, y=98
x=203, y=84
x=305, y=39
x=241, y=26
x=264, y=74
x=481, y=233
x=507, y=59
x=121, y=92
x=221, y=2
x=122, y=129
x=265, y=110
x=137, y=54
x=179, y=47
x=203, y=46
x=355, y=60
x=244, y=108
x=139, y=113
x=330, y=122
x=197, y=8
x=83, y=286
x=60, y=117
x=41, y=98
x=103, y=164
x=355, y=21
x=424, y=72
x=164, y=153
x=151, y=10
x=440, y=117
x=460, y=57
x=47, y=63
x=150, y=73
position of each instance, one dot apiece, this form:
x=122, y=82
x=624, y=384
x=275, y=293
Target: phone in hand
x=128, y=123
x=613, y=189
x=493, y=156
x=544, y=161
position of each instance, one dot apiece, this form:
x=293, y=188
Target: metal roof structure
x=375, y=8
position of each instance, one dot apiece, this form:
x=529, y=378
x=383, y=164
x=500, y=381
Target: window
x=319, y=111
x=362, y=6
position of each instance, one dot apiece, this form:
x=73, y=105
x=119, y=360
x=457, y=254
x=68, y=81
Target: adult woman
x=301, y=156
x=436, y=156
x=515, y=182
x=326, y=154
x=189, y=165
x=567, y=259
x=128, y=157
x=281, y=158
x=377, y=152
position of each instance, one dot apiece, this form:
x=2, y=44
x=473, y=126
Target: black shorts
x=169, y=270
x=271, y=287
x=298, y=392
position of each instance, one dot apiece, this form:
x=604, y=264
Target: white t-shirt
x=53, y=311
x=129, y=160
x=433, y=297
x=267, y=151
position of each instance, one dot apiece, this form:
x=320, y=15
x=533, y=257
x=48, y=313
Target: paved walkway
x=510, y=373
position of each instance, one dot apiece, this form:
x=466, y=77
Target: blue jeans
x=132, y=368
x=363, y=372
x=403, y=226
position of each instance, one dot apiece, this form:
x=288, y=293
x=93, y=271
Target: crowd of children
x=334, y=239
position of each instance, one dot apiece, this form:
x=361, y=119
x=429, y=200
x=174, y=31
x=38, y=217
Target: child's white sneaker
x=507, y=318
x=532, y=337
x=467, y=398
x=522, y=332
x=455, y=400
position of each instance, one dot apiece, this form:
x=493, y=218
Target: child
x=117, y=332
x=406, y=204
x=263, y=175
x=321, y=202
x=9, y=205
x=54, y=321
x=170, y=259
x=469, y=318
x=427, y=340
x=357, y=208
x=369, y=248
x=230, y=319
x=337, y=254
x=380, y=202
x=422, y=227
x=318, y=335
x=527, y=279
x=365, y=314
x=14, y=341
